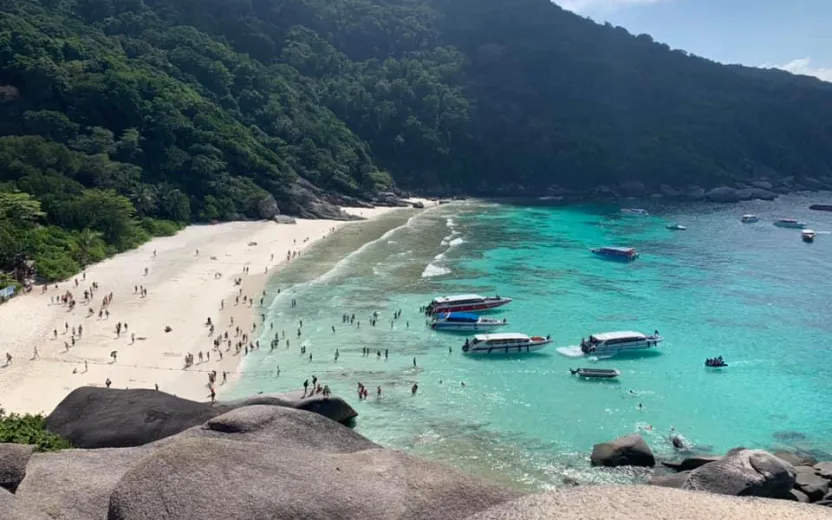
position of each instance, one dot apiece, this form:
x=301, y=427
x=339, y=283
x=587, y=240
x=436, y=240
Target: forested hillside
x=125, y=118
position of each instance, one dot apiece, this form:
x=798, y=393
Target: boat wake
x=572, y=351
x=438, y=267
x=432, y=270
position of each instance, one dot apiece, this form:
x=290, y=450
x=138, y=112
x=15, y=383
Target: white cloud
x=804, y=66
x=580, y=6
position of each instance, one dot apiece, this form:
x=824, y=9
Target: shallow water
x=753, y=293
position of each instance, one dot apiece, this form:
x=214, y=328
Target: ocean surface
x=752, y=293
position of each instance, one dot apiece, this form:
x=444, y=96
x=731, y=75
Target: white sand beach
x=183, y=290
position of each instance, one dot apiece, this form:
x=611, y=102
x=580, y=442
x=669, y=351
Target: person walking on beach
x=36, y=355
x=8, y=359
x=107, y=383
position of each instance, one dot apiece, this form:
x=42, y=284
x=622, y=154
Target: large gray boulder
x=75, y=484
x=11, y=508
x=305, y=201
x=275, y=425
x=624, y=451
x=722, y=194
x=92, y=417
x=674, y=480
x=267, y=208
x=222, y=479
x=811, y=483
x=796, y=458
x=645, y=503
x=744, y=472
x=690, y=462
x=756, y=194
x=824, y=469
x=13, y=461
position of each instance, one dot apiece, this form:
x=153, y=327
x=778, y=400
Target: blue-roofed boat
x=789, y=223
x=465, y=321
x=624, y=254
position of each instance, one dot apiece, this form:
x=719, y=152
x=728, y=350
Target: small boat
x=676, y=227
x=627, y=254
x=638, y=212
x=505, y=343
x=610, y=343
x=808, y=235
x=716, y=362
x=465, y=303
x=464, y=321
x=789, y=223
x=749, y=219
x=596, y=373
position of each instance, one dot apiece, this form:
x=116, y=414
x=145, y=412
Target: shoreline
x=183, y=289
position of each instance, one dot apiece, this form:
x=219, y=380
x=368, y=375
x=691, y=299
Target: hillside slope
x=117, y=115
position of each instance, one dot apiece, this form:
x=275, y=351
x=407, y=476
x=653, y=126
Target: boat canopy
x=458, y=298
x=501, y=336
x=621, y=250
x=606, y=336
x=462, y=317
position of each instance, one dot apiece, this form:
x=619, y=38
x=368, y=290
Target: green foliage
x=30, y=429
x=120, y=118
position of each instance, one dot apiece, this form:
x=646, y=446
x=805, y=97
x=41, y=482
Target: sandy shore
x=183, y=290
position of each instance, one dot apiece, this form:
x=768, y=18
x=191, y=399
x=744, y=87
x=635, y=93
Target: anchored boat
x=749, y=219
x=676, y=227
x=623, y=254
x=808, y=235
x=465, y=303
x=505, y=343
x=465, y=321
x=789, y=223
x=596, y=373
x=638, y=212
x=610, y=343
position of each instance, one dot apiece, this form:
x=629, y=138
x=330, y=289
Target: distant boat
x=638, y=212
x=465, y=303
x=789, y=223
x=505, y=343
x=717, y=362
x=596, y=373
x=627, y=254
x=821, y=207
x=676, y=227
x=610, y=343
x=749, y=219
x=808, y=235
x=464, y=321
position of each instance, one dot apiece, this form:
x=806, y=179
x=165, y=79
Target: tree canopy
x=120, y=119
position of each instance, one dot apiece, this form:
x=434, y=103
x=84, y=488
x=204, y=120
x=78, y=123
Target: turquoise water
x=753, y=293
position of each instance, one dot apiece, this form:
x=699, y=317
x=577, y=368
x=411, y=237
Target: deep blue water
x=753, y=293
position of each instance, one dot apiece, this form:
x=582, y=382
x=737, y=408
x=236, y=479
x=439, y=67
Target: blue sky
x=795, y=35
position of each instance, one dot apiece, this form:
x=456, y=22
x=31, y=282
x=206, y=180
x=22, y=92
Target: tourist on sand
x=36, y=355
x=8, y=359
x=107, y=383
x=213, y=395
x=305, y=387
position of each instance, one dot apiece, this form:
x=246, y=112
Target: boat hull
x=593, y=373
x=610, y=350
x=466, y=327
x=790, y=225
x=480, y=350
x=615, y=258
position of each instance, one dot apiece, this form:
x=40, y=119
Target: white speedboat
x=504, y=343
x=789, y=223
x=465, y=321
x=638, y=212
x=624, y=254
x=676, y=227
x=611, y=343
x=808, y=235
x=749, y=219
x=465, y=303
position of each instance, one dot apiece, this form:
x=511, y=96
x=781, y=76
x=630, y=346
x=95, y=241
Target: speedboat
x=676, y=227
x=626, y=254
x=465, y=303
x=808, y=235
x=749, y=219
x=716, y=362
x=596, y=373
x=505, y=343
x=635, y=211
x=611, y=343
x=789, y=223
x=463, y=321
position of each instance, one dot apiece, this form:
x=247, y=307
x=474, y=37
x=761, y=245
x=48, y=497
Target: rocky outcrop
x=796, y=458
x=632, y=189
x=690, y=463
x=644, y=503
x=694, y=193
x=756, y=194
x=824, y=469
x=267, y=208
x=674, y=480
x=743, y=472
x=284, y=482
x=305, y=201
x=810, y=482
x=12, y=508
x=669, y=191
x=13, y=461
x=722, y=194
x=624, y=451
x=92, y=417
